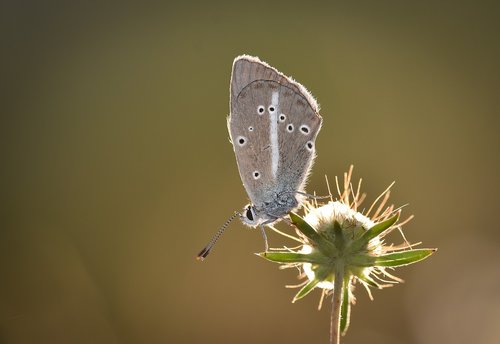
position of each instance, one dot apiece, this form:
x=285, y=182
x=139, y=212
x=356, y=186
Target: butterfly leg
x=265, y=237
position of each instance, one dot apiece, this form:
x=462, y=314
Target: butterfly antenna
x=204, y=253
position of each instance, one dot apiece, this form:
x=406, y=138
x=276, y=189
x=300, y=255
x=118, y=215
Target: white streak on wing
x=273, y=133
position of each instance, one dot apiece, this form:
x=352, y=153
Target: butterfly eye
x=249, y=214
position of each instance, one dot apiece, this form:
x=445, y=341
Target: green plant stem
x=338, y=284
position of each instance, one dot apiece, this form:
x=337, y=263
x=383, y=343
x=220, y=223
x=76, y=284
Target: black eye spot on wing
x=310, y=146
x=241, y=140
x=304, y=129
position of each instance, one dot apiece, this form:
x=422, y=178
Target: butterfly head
x=253, y=217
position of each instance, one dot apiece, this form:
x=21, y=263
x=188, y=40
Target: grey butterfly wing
x=298, y=126
x=271, y=159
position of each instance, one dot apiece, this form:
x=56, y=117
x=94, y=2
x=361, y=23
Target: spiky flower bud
x=341, y=246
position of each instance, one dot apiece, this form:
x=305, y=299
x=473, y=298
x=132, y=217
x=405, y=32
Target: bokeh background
x=115, y=167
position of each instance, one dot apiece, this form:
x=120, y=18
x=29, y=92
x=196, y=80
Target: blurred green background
x=116, y=168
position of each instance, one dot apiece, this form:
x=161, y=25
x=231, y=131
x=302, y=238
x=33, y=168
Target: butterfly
x=273, y=125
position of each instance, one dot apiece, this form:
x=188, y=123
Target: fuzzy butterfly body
x=273, y=126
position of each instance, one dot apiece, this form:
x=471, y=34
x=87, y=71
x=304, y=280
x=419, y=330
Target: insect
x=273, y=124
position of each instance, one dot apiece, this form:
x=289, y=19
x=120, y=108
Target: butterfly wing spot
x=256, y=175
x=242, y=140
x=272, y=109
x=289, y=128
x=310, y=146
x=282, y=117
x=250, y=128
x=305, y=129
x=261, y=109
